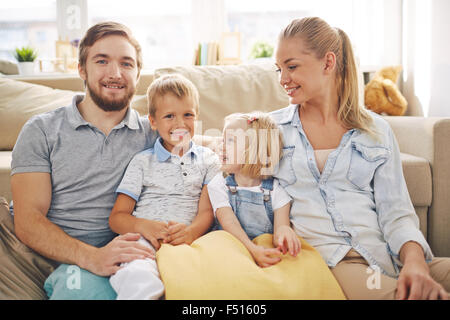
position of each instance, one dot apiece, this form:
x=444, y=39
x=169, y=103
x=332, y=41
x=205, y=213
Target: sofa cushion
x=417, y=172
x=20, y=100
x=8, y=67
x=227, y=89
x=5, y=171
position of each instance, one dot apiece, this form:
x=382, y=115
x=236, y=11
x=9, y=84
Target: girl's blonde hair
x=320, y=38
x=263, y=143
x=175, y=84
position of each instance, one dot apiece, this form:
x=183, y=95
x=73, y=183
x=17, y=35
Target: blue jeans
x=70, y=282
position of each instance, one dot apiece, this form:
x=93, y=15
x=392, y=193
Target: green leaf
x=25, y=54
x=261, y=49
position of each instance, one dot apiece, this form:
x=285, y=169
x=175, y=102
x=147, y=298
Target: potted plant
x=261, y=49
x=25, y=57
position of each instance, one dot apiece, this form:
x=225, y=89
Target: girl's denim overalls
x=253, y=209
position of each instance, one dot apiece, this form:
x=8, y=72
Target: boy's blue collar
x=163, y=154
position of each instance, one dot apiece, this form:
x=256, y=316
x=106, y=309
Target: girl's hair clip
x=249, y=121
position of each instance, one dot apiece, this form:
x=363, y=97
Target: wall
x=416, y=47
x=440, y=59
x=426, y=53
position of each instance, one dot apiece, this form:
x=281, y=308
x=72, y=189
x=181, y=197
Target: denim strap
x=266, y=187
x=232, y=187
x=231, y=183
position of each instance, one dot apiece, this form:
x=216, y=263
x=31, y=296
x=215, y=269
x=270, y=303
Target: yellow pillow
x=217, y=266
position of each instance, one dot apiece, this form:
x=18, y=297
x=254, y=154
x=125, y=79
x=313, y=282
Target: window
x=163, y=28
x=373, y=25
x=170, y=30
x=28, y=22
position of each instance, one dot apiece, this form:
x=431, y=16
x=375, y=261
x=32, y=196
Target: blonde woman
x=342, y=168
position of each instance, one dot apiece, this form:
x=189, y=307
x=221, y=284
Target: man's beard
x=109, y=105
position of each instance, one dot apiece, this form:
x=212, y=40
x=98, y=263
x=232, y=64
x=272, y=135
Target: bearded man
x=66, y=165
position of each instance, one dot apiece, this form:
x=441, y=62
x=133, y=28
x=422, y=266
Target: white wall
x=426, y=52
x=440, y=59
x=416, y=47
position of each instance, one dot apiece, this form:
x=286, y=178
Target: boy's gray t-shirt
x=86, y=166
x=167, y=187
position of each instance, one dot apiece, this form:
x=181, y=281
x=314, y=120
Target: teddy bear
x=382, y=95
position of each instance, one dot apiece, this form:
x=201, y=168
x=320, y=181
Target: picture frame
x=66, y=54
x=230, y=48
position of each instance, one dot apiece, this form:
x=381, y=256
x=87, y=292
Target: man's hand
x=106, y=261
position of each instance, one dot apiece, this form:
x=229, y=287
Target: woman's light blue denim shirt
x=359, y=201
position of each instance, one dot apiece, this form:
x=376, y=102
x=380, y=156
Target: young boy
x=163, y=193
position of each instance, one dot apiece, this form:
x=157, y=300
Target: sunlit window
x=170, y=30
x=28, y=22
x=163, y=28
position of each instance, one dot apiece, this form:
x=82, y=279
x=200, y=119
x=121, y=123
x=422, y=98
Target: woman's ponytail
x=320, y=38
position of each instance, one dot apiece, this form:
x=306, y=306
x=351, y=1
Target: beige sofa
x=424, y=142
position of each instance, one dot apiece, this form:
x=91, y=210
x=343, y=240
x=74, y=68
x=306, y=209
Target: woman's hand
x=286, y=240
x=265, y=257
x=415, y=281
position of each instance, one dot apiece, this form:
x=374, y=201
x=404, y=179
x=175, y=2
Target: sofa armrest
x=429, y=138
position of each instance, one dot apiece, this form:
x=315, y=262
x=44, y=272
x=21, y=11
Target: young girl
x=249, y=201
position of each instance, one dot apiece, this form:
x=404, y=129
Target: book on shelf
x=206, y=54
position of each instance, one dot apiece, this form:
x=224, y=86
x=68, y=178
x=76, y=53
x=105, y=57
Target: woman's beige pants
x=360, y=282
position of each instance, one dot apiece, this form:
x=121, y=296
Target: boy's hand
x=265, y=257
x=286, y=240
x=178, y=233
x=153, y=231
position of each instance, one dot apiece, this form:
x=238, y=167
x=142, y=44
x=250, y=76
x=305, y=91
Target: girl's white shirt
x=218, y=193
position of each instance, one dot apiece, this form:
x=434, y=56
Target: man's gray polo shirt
x=86, y=166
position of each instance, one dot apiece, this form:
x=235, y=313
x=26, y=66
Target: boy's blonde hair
x=174, y=84
x=263, y=143
x=321, y=38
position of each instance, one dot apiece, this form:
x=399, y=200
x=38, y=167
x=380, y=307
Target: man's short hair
x=175, y=84
x=104, y=29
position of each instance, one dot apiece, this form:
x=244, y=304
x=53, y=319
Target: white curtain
x=208, y=20
x=439, y=103
x=426, y=56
